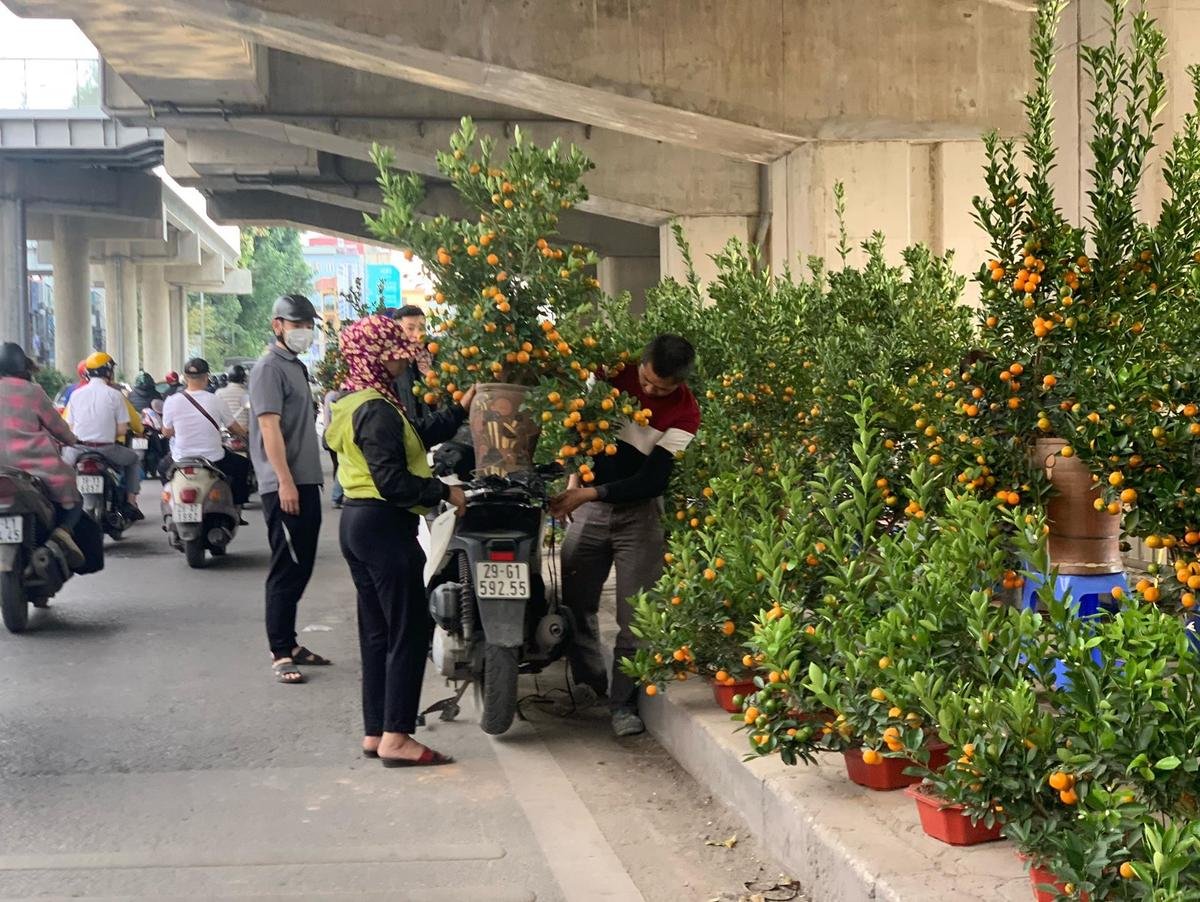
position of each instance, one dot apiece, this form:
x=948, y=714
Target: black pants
x=394, y=625
x=293, y=540
x=235, y=467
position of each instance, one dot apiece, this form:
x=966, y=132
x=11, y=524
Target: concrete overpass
x=734, y=118
x=77, y=182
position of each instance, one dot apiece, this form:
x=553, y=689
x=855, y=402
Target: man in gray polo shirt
x=287, y=462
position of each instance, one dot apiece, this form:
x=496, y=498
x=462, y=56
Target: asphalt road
x=146, y=752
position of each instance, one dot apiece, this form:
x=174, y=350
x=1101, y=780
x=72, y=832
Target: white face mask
x=298, y=340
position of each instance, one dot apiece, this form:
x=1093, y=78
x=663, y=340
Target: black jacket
x=141, y=398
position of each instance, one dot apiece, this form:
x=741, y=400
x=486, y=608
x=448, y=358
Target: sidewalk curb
x=842, y=842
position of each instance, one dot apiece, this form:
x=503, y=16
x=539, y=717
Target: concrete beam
x=208, y=275
x=268, y=207
x=41, y=226
x=80, y=190
x=716, y=78
x=636, y=179
x=235, y=152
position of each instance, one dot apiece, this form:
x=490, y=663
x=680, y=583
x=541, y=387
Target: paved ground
x=146, y=753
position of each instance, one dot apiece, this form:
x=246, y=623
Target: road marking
x=237, y=858
x=582, y=861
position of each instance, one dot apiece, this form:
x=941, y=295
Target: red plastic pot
x=889, y=773
x=949, y=823
x=724, y=694
x=1040, y=876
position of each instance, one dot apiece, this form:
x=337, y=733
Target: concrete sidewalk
x=844, y=843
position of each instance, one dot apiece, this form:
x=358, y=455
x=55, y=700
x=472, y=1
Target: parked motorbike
x=32, y=566
x=198, y=510
x=103, y=491
x=494, y=618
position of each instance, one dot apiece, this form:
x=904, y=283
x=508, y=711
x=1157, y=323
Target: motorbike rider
x=29, y=441
x=235, y=396
x=144, y=392
x=387, y=482
x=99, y=415
x=192, y=420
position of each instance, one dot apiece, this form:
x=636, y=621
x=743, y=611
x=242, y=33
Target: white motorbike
x=198, y=511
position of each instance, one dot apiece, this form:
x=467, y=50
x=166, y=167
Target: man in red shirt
x=618, y=519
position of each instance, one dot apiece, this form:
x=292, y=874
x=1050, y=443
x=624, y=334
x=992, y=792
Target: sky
x=61, y=39
x=41, y=38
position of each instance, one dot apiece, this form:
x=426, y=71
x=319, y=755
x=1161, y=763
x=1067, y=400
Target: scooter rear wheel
x=193, y=550
x=500, y=671
x=13, y=607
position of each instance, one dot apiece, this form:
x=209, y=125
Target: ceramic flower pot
x=949, y=823
x=1040, y=877
x=1082, y=539
x=504, y=435
x=889, y=774
x=724, y=693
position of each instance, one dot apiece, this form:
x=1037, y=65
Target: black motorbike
x=103, y=491
x=494, y=617
x=33, y=567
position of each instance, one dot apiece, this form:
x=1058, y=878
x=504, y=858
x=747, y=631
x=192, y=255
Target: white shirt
x=237, y=398
x=97, y=412
x=194, y=435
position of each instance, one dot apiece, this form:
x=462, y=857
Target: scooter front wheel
x=500, y=671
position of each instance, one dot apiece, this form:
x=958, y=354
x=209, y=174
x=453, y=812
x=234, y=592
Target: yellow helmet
x=99, y=360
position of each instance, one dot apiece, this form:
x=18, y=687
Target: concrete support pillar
x=156, y=321
x=112, y=313
x=635, y=275
x=178, y=325
x=912, y=193
x=14, y=285
x=705, y=236
x=72, y=294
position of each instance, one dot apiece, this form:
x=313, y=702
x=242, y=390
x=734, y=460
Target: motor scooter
x=103, y=489
x=198, y=510
x=494, y=617
x=33, y=567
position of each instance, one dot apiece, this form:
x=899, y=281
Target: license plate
x=501, y=580
x=90, y=485
x=12, y=530
x=140, y=444
x=188, y=513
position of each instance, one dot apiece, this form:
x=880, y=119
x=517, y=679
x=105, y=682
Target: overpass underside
x=736, y=118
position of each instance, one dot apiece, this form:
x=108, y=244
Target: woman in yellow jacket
x=384, y=471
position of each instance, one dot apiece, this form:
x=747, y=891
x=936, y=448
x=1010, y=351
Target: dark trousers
x=293, y=540
x=235, y=467
x=602, y=536
x=394, y=625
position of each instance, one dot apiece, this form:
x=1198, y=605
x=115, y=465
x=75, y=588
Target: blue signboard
x=383, y=281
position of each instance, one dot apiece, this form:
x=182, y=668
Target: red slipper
x=429, y=758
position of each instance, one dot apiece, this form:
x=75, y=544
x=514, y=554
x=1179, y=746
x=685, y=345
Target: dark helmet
x=222, y=380
x=237, y=374
x=144, y=381
x=15, y=362
x=295, y=308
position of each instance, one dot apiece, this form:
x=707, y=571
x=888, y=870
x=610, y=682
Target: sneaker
x=627, y=723
x=70, y=550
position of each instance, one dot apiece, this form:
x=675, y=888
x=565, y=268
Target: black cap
x=197, y=366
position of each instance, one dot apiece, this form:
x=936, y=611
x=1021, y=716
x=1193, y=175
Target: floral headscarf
x=367, y=343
